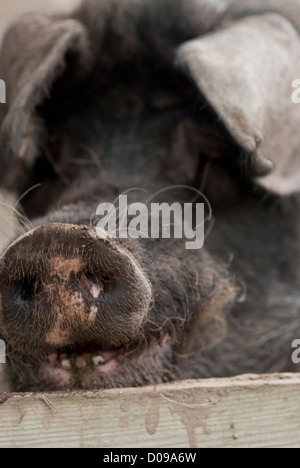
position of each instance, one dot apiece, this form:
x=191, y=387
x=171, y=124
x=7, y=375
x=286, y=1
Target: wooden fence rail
x=247, y=411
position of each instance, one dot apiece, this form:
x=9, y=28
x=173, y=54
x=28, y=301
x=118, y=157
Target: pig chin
x=106, y=366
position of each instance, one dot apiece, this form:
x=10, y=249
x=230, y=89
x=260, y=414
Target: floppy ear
x=35, y=53
x=245, y=72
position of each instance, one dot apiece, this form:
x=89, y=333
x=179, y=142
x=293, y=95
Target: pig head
x=160, y=100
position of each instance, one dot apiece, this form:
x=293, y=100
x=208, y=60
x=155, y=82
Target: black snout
x=62, y=284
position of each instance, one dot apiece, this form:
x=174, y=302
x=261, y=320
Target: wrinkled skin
x=83, y=311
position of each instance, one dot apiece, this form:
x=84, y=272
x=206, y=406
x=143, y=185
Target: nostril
x=26, y=289
x=91, y=283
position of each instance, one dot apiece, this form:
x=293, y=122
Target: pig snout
x=62, y=285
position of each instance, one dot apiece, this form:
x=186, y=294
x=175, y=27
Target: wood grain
x=247, y=411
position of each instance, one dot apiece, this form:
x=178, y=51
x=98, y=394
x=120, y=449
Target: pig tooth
x=80, y=363
x=52, y=358
x=66, y=364
x=98, y=360
x=62, y=357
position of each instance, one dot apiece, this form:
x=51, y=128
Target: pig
x=163, y=101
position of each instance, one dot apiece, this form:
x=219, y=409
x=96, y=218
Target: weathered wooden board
x=247, y=411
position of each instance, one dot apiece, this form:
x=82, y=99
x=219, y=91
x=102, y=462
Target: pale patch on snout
x=57, y=336
x=69, y=306
x=71, y=312
x=63, y=268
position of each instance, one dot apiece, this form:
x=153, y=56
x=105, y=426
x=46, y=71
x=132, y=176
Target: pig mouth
x=96, y=366
x=79, y=358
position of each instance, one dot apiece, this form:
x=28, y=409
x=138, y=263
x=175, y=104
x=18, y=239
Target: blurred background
x=10, y=10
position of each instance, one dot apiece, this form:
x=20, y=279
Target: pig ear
x=245, y=72
x=35, y=53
